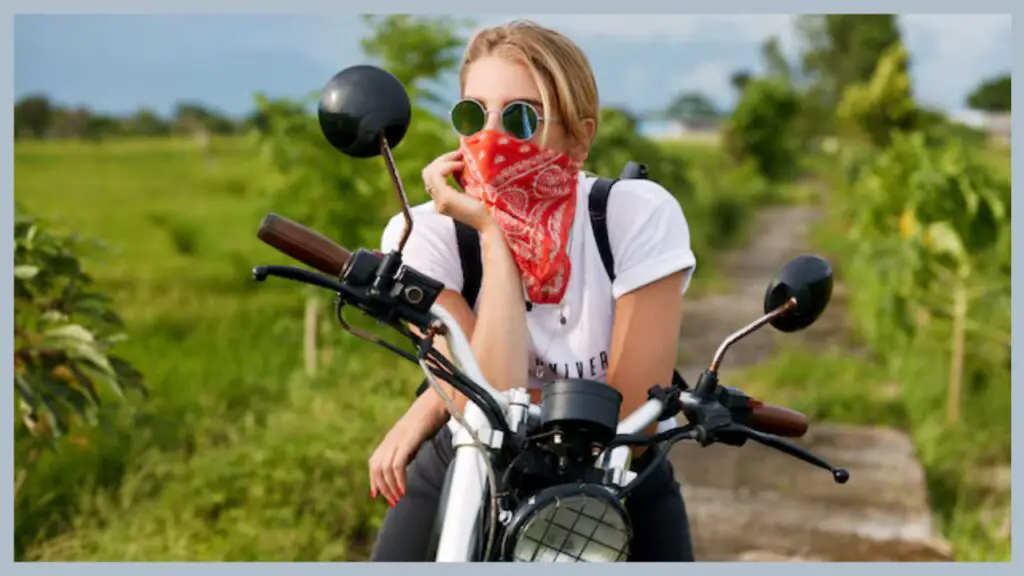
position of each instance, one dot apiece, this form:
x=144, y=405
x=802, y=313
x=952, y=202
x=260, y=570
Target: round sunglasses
x=518, y=119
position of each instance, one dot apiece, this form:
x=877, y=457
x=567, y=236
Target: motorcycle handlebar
x=305, y=245
x=324, y=255
x=776, y=420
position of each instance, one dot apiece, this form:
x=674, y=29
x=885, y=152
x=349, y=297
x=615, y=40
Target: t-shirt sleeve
x=431, y=248
x=649, y=235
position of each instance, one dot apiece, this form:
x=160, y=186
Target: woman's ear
x=589, y=130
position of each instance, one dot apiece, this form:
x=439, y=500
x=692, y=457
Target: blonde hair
x=554, y=61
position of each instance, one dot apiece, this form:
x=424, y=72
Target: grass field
x=237, y=455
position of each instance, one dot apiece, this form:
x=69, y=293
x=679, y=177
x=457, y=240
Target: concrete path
x=756, y=504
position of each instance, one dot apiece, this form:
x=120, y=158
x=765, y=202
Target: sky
x=119, y=63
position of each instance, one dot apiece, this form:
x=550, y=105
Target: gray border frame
x=1010, y=7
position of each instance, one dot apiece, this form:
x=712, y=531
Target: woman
x=526, y=121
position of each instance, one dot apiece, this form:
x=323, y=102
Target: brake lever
x=839, y=475
x=261, y=273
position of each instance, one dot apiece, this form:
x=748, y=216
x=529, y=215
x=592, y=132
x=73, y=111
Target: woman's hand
x=448, y=200
x=393, y=455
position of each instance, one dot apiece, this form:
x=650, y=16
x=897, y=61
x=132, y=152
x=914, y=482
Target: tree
x=844, y=49
x=776, y=65
x=100, y=126
x=415, y=49
x=191, y=117
x=761, y=128
x=692, y=106
x=260, y=120
x=302, y=173
x=146, y=122
x=740, y=79
x=71, y=122
x=882, y=105
x=304, y=178
x=618, y=142
x=992, y=95
x=33, y=116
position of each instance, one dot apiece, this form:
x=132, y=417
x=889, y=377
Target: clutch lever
x=294, y=273
x=839, y=475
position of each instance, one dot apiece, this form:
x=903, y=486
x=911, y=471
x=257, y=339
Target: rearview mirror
x=808, y=280
x=359, y=105
x=365, y=112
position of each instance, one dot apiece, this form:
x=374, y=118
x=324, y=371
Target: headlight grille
x=576, y=528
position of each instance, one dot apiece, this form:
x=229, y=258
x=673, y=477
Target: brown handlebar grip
x=776, y=420
x=303, y=244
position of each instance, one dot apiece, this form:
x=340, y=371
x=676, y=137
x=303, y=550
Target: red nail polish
x=373, y=493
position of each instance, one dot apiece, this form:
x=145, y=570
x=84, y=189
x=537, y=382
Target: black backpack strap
x=468, y=240
x=599, y=222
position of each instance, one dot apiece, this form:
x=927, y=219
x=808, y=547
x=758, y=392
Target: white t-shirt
x=649, y=237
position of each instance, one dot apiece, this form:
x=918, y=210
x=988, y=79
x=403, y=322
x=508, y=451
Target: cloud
x=952, y=53
x=637, y=79
x=708, y=77
x=333, y=41
x=682, y=27
x=958, y=36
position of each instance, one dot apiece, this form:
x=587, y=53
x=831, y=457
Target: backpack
x=468, y=240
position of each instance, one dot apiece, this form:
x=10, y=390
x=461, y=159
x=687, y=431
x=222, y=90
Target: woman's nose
x=493, y=121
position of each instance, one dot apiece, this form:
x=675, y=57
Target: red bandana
x=531, y=193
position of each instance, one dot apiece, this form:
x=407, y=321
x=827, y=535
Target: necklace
x=542, y=371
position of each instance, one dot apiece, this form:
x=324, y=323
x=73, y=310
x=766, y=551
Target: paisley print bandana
x=531, y=193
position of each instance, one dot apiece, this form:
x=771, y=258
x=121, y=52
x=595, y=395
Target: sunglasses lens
x=468, y=117
x=520, y=120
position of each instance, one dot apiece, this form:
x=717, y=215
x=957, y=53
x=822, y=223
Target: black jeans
x=661, y=529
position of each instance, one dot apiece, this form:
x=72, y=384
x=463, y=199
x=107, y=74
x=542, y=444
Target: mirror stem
x=747, y=330
x=389, y=161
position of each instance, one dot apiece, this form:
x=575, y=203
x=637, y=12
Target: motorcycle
x=535, y=483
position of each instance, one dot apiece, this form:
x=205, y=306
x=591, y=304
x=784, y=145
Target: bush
x=299, y=175
x=718, y=195
x=922, y=231
x=762, y=129
x=618, y=142
x=65, y=330
x=874, y=110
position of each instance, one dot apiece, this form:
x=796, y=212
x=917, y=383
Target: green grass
x=236, y=455
x=998, y=156
x=835, y=386
x=228, y=415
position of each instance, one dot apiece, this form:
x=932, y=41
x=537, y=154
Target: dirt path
x=756, y=504
x=779, y=233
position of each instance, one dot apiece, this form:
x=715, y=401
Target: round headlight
x=569, y=523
